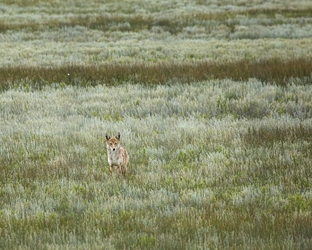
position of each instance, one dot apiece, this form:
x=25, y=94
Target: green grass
x=198, y=176
x=213, y=102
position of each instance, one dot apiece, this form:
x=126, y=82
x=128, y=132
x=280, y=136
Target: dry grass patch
x=267, y=70
x=172, y=23
x=265, y=136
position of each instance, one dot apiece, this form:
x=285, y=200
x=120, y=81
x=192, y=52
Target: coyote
x=117, y=156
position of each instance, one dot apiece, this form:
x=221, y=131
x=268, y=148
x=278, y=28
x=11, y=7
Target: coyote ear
x=107, y=137
x=118, y=136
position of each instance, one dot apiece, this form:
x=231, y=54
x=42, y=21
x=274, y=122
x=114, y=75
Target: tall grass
x=213, y=164
x=213, y=102
x=270, y=71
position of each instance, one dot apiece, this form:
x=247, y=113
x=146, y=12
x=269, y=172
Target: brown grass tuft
x=265, y=136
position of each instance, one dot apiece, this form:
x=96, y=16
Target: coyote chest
x=117, y=156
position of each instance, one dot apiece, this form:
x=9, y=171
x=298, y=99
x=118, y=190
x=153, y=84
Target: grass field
x=213, y=102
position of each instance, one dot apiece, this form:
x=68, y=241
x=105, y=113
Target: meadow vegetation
x=213, y=102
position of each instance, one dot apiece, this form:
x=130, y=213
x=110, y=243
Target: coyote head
x=113, y=143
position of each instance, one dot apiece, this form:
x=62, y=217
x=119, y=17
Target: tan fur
x=117, y=156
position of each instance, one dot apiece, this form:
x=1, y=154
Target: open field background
x=213, y=102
